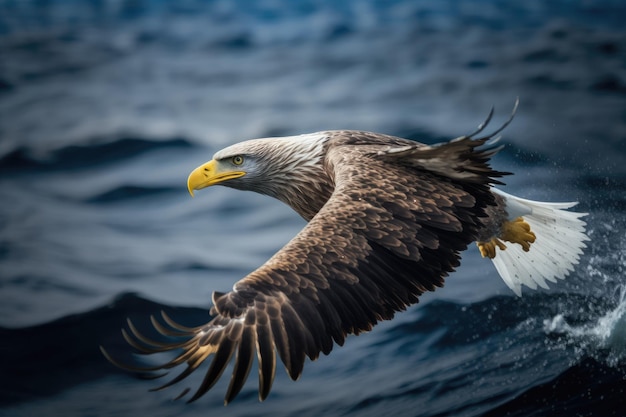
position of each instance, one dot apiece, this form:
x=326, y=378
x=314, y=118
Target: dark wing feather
x=450, y=159
x=243, y=364
x=459, y=158
x=392, y=230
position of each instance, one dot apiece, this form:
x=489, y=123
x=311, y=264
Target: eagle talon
x=518, y=231
x=488, y=249
x=514, y=231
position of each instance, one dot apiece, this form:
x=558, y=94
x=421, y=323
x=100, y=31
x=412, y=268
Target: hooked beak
x=209, y=174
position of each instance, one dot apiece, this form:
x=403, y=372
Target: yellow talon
x=488, y=249
x=518, y=231
x=514, y=231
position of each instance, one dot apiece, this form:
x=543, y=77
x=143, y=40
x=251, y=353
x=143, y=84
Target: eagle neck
x=300, y=177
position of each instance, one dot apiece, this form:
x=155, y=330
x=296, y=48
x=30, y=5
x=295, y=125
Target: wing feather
x=192, y=365
x=297, y=345
x=177, y=326
x=243, y=364
x=266, y=355
x=163, y=330
x=225, y=350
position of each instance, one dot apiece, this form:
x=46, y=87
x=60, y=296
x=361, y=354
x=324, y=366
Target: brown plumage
x=388, y=219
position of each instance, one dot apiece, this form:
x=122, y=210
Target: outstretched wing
x=392, y=229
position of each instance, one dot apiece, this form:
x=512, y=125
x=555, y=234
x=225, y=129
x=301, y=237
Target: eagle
x=387, y=220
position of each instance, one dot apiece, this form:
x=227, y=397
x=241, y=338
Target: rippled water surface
x=106, y=106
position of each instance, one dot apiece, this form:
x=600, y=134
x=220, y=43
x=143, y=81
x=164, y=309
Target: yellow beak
x=209, y=174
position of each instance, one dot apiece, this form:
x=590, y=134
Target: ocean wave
x=604, y=337
x=73, y=342
x=497, y=349
x=588, y=388
x=461, y=324
x=130, y=192
x=434, y=352
x=76, y=157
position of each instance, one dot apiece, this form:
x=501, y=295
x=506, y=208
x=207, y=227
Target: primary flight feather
x=387, y=221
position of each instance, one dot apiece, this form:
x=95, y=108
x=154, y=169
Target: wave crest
x=604, y=338
x=74, y=157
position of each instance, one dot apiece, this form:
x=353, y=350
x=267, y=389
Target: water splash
x=603, y=338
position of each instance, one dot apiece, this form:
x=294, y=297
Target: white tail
x=560, y=241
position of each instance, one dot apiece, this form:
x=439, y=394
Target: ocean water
x=106, y=106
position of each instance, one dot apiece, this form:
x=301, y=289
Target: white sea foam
x=605, y=336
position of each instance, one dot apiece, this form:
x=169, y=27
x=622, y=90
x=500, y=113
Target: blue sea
x=107, y=105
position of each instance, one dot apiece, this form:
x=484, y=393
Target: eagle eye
x=237, y=159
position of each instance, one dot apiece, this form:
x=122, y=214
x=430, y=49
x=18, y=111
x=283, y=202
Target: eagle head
x=290, y=169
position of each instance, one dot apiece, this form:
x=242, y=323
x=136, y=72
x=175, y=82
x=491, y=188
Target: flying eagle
x=387, y=221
